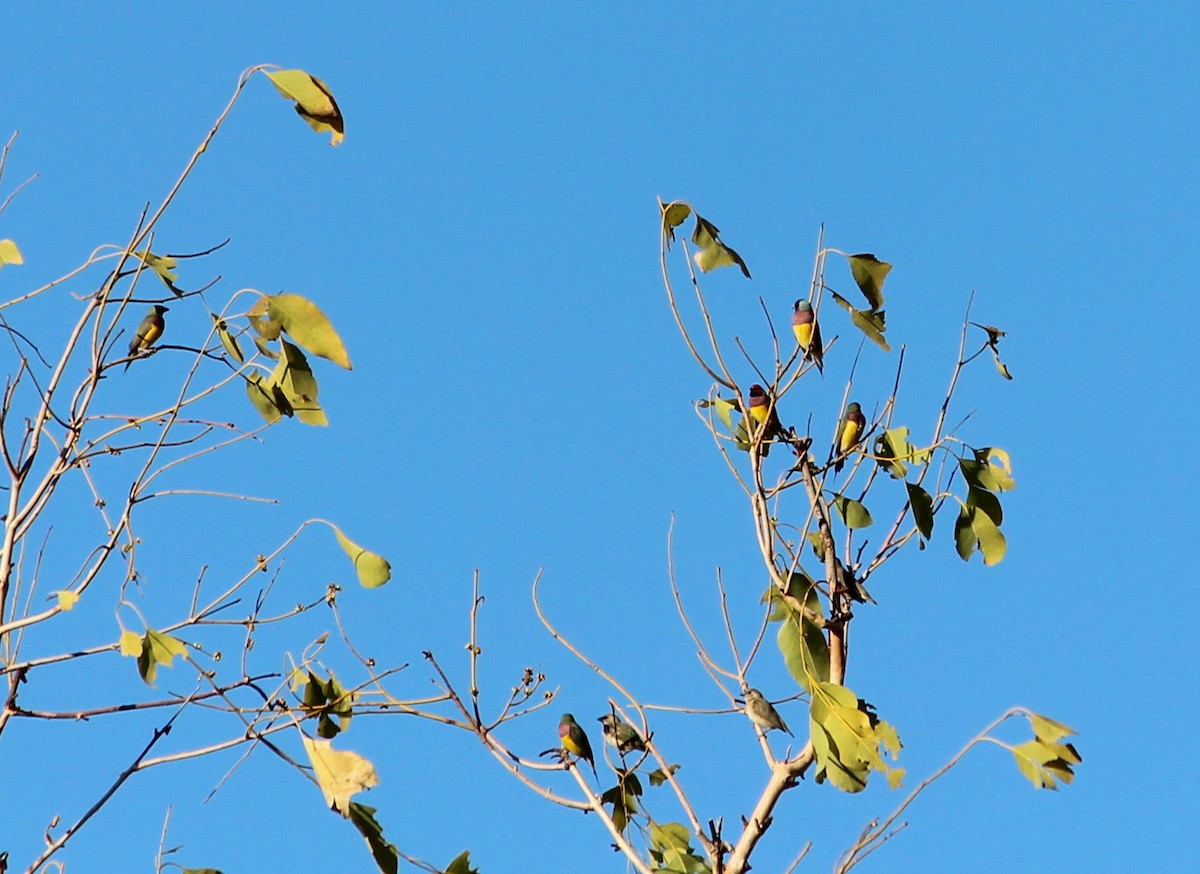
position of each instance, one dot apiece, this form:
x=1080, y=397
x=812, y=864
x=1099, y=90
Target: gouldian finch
x=758, y=406
x=574, y=741
x=762, y=714
x=808, y=333
x=621, y=734
x=849, y=432
x=148, y=331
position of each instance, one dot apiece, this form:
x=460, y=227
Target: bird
x=759, y=405
x=762, y=714
x=148, y=331
x=621, y=734
x=575, y=741
x=849, y=432
x=808, y=333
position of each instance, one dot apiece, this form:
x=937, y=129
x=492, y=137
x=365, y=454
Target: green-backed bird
x=765, y=417
x=762, y=714
x=148, y=331
x=849, y=432
x=621, y=734
x=808, y=333
x=574, y=741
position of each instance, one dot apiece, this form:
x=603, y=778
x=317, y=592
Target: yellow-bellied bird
x=621, y=734
x=148, y=331
x=762, y=714
x=849, y=432
x=765, y=418
x=808, y=333
x=574, y=741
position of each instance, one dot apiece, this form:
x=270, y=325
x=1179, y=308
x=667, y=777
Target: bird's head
x=158, y=309
x=802, y=306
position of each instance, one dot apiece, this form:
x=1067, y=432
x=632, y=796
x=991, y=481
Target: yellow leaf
x=308, y=326
x=339, y=773
x=131, y=643
x=314, y=101
x=9, y=253
x=66, y=599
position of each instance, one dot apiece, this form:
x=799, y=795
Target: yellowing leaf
x=307, y=325
x=264, y=326
x=869, y=273
x=339, y=773
x=373, y=569
x=131, y=643
x=713, y=253
x=873, y=324
x=157, y=649
x=9, y=253
x=314, y=101
x=229, y=341
x=673, y=215
x=295, y=380
x=1048, y=730
x=164, y=266
x=261, y=393
x=66, y=599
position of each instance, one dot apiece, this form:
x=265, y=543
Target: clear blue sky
x=485, y=241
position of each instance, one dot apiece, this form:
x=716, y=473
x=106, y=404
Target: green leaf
x=229, y=341
x=853, y=513
x=386, y=856
x=848, y=738
x=294, y=378
x=990, y=468
x=308, y=326
x=671, y=849
x=261, y=392
x=991, y=540
x=326, y=699
x=713, y=253
x=339, y=773
x=965, y=540
x=869, y=273
x=9, y=253
x=974, y=529
x=658, y=776
x=373, y=569
x=461, y=864
x=314, y=101
x=986, y=503
x=164, y=266
x=674, y=214
x=157, y=649
x=922, y=508
x=724, y=408
x=873, y=324
x=805, y=651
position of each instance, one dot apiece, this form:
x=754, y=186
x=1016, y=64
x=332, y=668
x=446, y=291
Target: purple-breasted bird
x=849, y=432
x=768, y=422
x=574, y=741
x=148, y=331
x=808, y=333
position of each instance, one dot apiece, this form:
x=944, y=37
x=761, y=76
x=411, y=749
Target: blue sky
x=485, y=241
